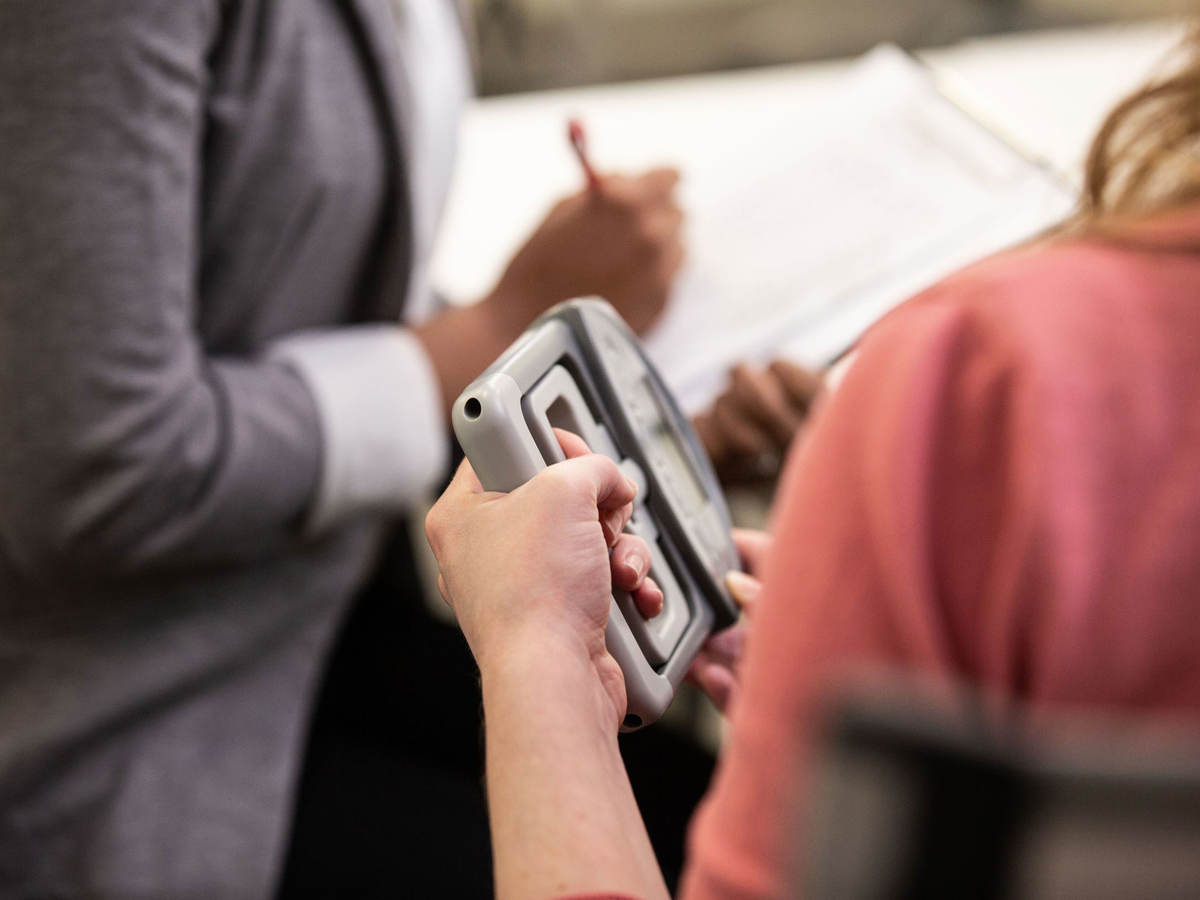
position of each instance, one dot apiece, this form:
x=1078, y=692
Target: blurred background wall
x=535, y=44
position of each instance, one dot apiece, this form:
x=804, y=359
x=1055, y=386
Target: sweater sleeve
x=910, y=455
x=125, y=447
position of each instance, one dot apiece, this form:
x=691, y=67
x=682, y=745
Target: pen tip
x=575, y=131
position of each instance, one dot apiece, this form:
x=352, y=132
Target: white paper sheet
x=822, y=225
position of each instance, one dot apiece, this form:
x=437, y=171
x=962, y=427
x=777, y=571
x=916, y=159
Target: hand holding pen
x=619, y=238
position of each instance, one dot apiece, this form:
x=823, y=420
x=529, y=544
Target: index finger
x=572, y=444
x=659, y=182
x=614, y=511
x=608, y=486
x=802, y=385
x=752, y=547
x=649, y=188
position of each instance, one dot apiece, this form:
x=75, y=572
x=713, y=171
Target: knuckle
x=739, y=376
x=595, y=468
x=621, y=197
x=433, y=527
x=662, y=180
x=608, y=467
x=728, y=418
x=555, y=479
x=723, y=408
x=641, y=546
x=645, y=231
x=564, y=480
x=672, y=223
x=746, y=392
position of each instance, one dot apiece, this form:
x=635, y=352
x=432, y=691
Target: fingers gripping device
x=580, y=368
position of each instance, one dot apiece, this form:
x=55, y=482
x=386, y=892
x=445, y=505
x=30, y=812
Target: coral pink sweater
x=1005, y=491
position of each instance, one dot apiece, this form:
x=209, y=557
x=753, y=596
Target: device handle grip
x=485, y=417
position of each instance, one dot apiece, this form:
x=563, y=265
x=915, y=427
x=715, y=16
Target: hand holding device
x=579, y=368
x=717, y=667
x=528, y=573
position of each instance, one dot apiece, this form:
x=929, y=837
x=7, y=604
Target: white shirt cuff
x=384, y=436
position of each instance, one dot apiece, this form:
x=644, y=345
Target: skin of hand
x=622, y=241
x=751, y=424
x=540, y=564
x=529, y=575
x=715, y=668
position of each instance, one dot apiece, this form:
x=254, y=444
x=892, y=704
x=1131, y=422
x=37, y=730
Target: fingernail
x=633, y=489
x=745, y=589
x=637, y=565
x=658, y=607
x=659, y=598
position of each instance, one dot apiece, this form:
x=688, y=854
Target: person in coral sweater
x=1005, y=490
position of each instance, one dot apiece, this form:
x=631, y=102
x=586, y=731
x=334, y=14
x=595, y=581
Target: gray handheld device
x=580, y=368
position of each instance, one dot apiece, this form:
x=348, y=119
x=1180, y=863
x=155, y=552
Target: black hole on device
x=472, y=408
x=632, y=721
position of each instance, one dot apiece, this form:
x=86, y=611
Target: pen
x=578, y=138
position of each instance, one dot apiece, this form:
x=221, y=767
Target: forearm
x=564, y=818
x=461, y=342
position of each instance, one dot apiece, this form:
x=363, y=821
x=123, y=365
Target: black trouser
x=391, y=800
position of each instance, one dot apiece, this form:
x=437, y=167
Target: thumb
x=745, y=590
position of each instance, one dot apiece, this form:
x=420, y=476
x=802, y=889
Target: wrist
x=552, y=672
x=511, y=305
x=462, y=342
x=531, y=651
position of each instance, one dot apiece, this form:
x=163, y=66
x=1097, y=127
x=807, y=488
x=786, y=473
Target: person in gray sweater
x=222, y=372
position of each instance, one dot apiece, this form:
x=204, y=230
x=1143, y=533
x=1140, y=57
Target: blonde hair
x=1145, y=159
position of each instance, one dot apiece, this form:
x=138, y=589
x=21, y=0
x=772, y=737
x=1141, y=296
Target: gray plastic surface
x=504, y=422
